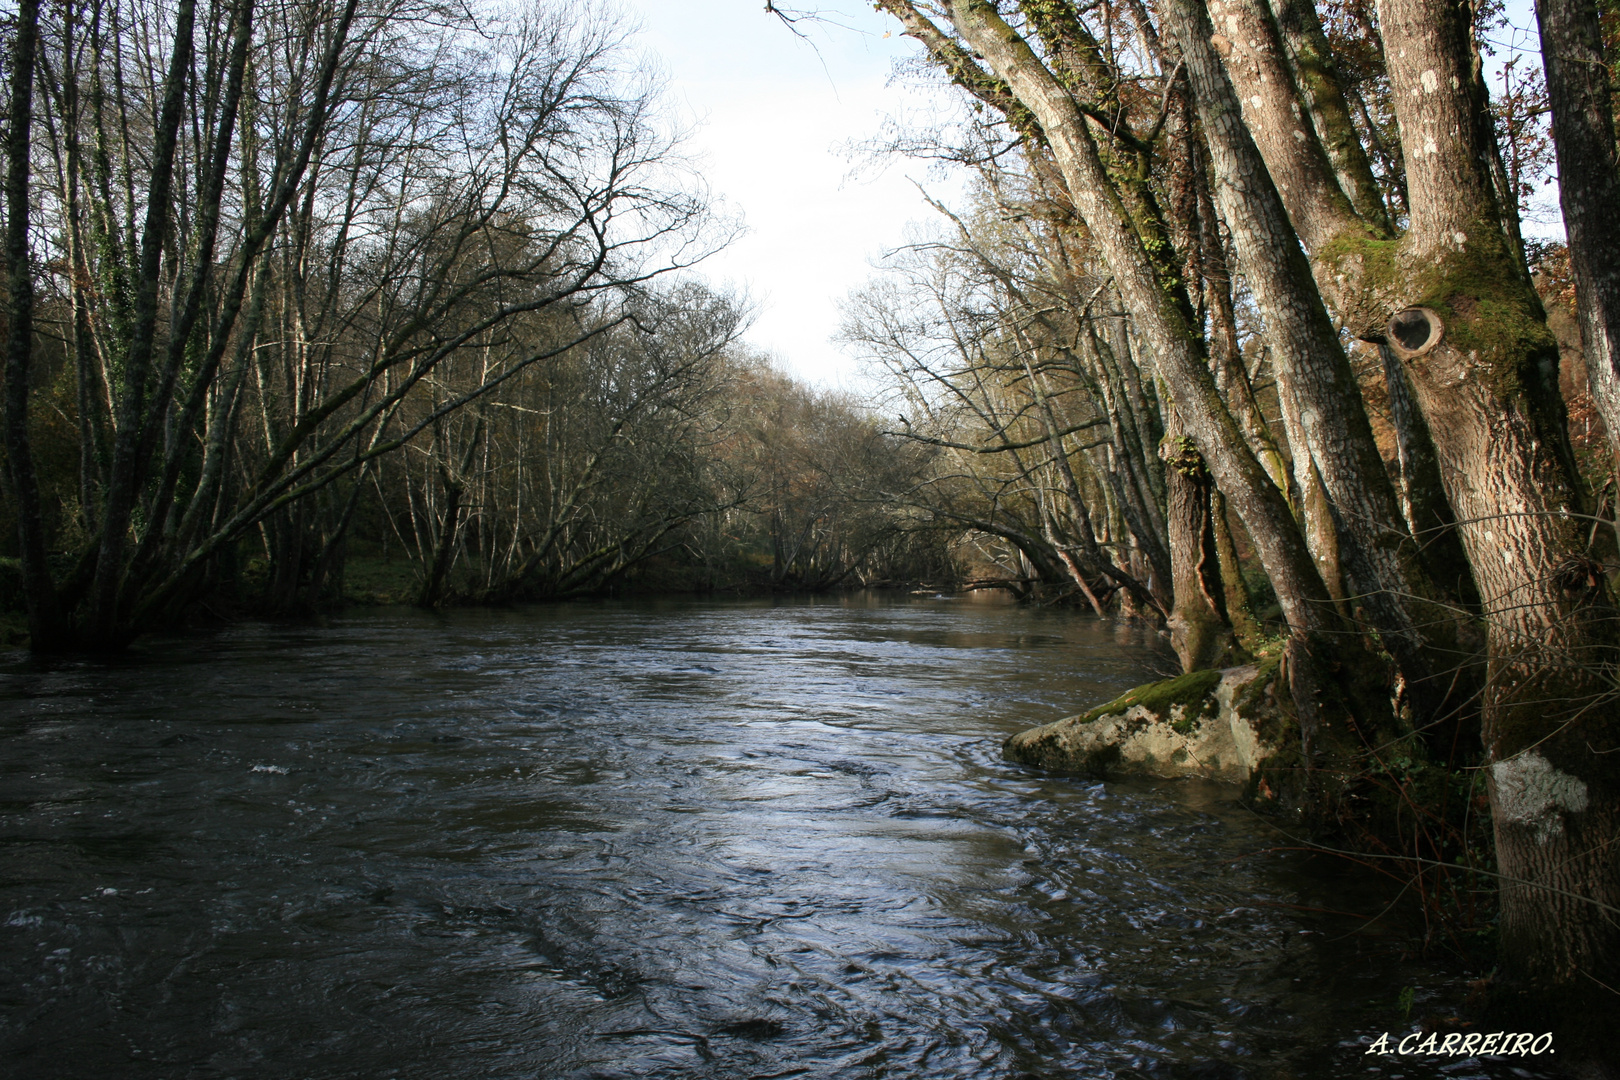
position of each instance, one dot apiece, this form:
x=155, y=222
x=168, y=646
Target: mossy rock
x=1190, y=691
x=1277, y=783
x=1190, y=725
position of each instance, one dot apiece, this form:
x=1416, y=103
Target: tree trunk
x=47, y=628
x=1316, y=79
x=1483, y=366
x=443, y=549
x=1246, y=628
x=1199, y=630
x=1315, y=509
x=1471, y=336
x=1588, y=188
x=1423, y=494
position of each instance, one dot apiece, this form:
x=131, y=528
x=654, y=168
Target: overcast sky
x=772, y=115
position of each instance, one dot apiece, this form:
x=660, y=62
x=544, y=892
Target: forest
x=1236, y=332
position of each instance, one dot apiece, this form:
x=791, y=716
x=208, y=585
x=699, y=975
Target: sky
x=773, y=117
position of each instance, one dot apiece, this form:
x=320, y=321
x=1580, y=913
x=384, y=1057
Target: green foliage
x=13, y=629
x=1187, y=461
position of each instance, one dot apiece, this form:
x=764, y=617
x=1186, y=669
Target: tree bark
x=1316, y=79
x=1483, y=365
x=1199, y=630
x=47, y=628
x=1423, y=496
x=1231, y=377
x=1588, y=188
x=1328, y=430
x=1246, y=628
x=1243, y=33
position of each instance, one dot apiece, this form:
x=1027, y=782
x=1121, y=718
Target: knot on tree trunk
x=1415, y=331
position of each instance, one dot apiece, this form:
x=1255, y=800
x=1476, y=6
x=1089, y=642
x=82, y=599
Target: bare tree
x=351, y=207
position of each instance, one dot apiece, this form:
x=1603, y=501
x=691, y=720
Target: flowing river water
x=672, y=839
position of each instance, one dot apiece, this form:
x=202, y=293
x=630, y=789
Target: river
x=650, y=839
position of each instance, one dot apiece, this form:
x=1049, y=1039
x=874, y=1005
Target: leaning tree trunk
x=1351, y=511
x=1452, y=301
x=1325, y=717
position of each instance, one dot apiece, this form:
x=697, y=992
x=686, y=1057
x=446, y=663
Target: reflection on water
x=643, y=840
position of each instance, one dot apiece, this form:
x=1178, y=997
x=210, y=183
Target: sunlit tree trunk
x=1452, y=300
x=1350, y=505
x=1199, y=630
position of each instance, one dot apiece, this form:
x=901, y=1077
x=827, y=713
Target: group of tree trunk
x=1219, y=304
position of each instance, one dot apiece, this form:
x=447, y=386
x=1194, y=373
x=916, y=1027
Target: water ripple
x=640, y=840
